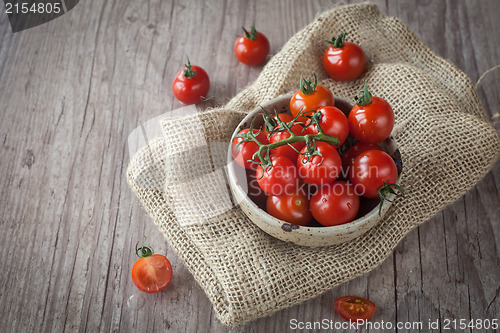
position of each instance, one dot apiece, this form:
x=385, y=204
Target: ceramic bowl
x=312, y=236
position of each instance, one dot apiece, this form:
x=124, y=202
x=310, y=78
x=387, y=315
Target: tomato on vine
x=152, y=272
x=371, y=120
x=309, y=97
x=243, y=151
x=321, y=168
x=343, y=61
x=252, y=48
x=191, y=84
x=292, y=208
x=332, y=121
x=281, y=178
x=354, y=308
x=292, y=150
x=335, y=203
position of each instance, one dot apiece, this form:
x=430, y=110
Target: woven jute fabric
x=444, y=136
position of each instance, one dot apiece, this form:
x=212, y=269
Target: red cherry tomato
x=285, y=117
x=371, y=120
x=344, y=61
x=245, y=151
x=281, y=179
x=310, y=97
x=152, y=272
x=320, y=170
x=354, y=308
x=292, y=209
x=191, y=84
x=353, y=152
x=286, y=150
x=251, y=49
x=335, y=203
x=333, y=122
x=370, y=170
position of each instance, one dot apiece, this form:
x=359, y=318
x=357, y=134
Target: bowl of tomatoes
x=304, y=178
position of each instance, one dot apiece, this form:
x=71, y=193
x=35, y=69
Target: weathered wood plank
x=73, y=89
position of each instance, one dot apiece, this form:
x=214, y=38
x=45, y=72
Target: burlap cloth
x=446, y=142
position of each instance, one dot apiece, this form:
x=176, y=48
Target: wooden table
x=72, y=90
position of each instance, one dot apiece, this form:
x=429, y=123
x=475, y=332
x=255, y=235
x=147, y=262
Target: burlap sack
x=446, y=141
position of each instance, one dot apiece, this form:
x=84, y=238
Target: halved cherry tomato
x=335, y=203
x=353, y=152
x=320, y=170
x=191, y=84
x=354, y=308
x=280, y=179
x=251, y=49
x=310, y=96
x=244, y=153
x=371, y=120
x=343, y=61
x=333, y=122
x=293, y=208
x=371, y=170
x=152, y=272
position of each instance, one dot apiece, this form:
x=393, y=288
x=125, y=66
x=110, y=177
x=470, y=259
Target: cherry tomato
x=343, y=61
x=191, y=84
x=152, y=272
x=281, y=179
x=245, y=151
x=371, y=120
x=252, y=48
x=292, y=209
x=320, y=170
x=286, y=150
x=370, y=170
x=333, y=122
x=353, y=152
x=285, y=117
x=335, y=203
x=310, y=97
x=354, y=308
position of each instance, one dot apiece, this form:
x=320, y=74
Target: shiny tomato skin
x=301, y=102
x=353, y=308
x=191, y=90
x=284, y=117
x=251, y=52
x=373, y=122
x=152, y=274
x=353, y=152
x=292, y=209
x=333, y=122
x=247, y=149
x=335, y=203
x=344, y=63
x=370, y=170
x=286, y=150
x=320, y=170
x=281, y=179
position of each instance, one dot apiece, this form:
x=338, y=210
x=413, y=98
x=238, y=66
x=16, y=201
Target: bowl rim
x=370, y=216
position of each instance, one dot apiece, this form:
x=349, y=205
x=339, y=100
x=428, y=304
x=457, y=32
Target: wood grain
x=72, y=90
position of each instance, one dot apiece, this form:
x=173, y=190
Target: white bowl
x=311, y=236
